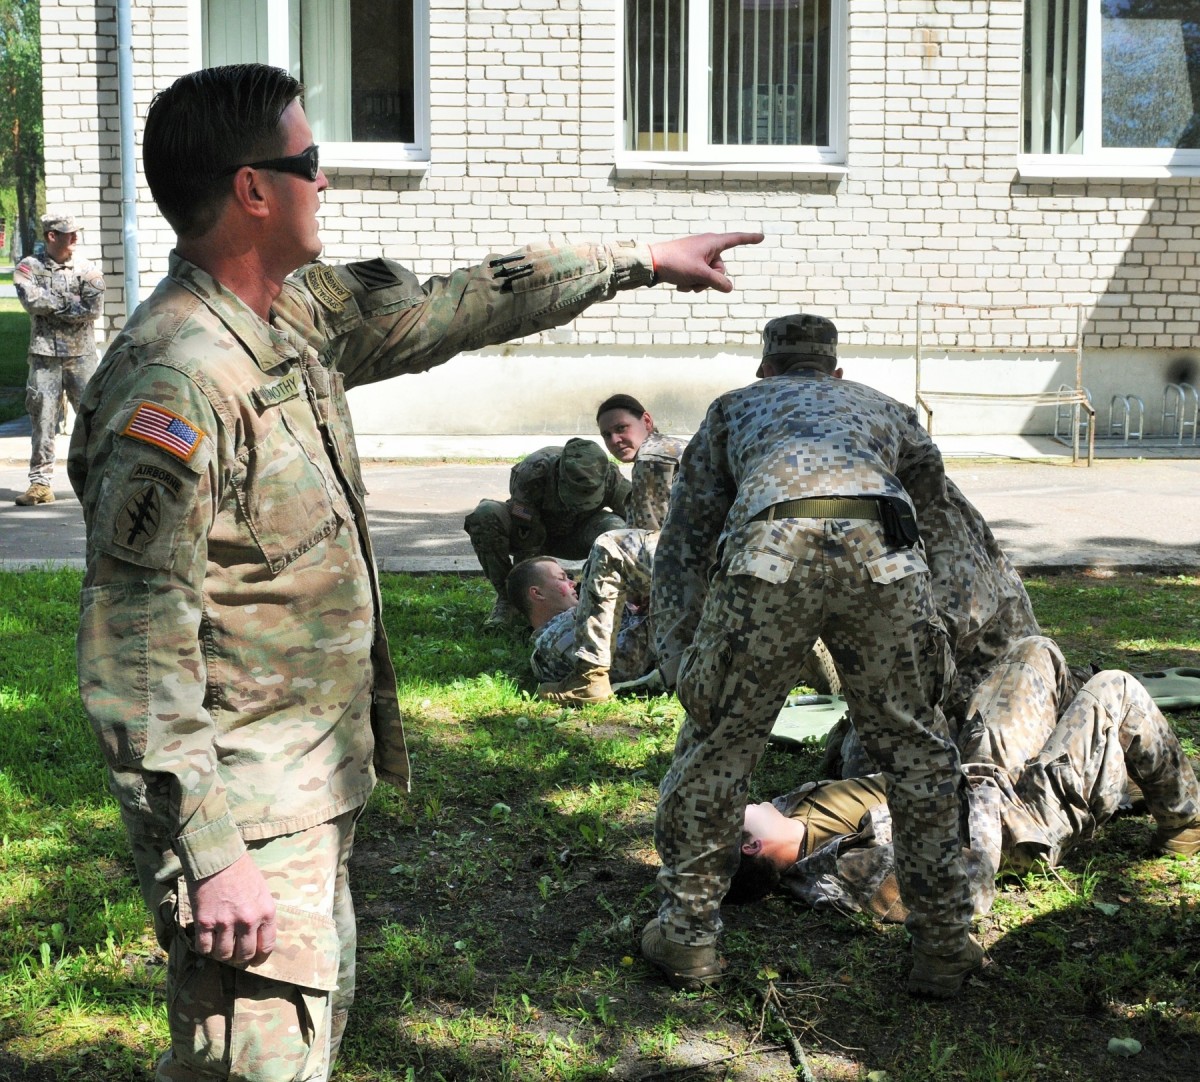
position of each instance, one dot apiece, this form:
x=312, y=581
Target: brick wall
x=522, y=125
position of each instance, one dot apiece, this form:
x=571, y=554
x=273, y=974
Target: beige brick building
x=977, y=152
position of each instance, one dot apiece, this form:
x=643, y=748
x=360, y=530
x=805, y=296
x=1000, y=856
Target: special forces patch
x=138, y=521
x=326, y=288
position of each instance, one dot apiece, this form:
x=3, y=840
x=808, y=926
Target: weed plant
x=500, y=902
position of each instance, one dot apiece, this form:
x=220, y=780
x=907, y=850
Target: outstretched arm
x=693, y=264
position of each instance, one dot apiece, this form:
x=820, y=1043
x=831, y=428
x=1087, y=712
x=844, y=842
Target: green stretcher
x=810, y=717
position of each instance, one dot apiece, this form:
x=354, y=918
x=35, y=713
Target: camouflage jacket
x=979, y=594
x=847, y=863
x=794, y=435
x=553, y=656
x=231, y=655
x=654, y=471
x=63, y=300
x=537, y=509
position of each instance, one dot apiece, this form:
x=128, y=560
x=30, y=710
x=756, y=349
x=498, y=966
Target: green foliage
x=21, y=150
x=500, y=902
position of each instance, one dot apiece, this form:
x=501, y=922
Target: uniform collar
x=269, y=345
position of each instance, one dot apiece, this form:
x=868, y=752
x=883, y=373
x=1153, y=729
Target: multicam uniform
x=1039, y=784
x=63, y=300
x=619, y=566
x=535, y=521
x=231, y=654
x=779, y=584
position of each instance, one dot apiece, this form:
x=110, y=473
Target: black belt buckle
x=900, y=527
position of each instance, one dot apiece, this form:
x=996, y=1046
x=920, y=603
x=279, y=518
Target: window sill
x=1063, y=168
x=642, y=166
x=351, y=164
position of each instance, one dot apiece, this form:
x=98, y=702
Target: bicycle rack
x=1068, y=417
x=1120, y=423
x=1180, y=399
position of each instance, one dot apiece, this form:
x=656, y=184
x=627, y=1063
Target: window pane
x=233, y=32
x=1055, y=44
x=770, y=72
x=356, y=62
x=1150, y=73
x=656, y=74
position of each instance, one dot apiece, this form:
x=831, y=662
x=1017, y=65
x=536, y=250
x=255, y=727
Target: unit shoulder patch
x=326, y=287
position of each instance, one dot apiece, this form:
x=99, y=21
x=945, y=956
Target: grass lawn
x=14, y=351
x=499, y=904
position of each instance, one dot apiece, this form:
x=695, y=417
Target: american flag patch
x=161, y=427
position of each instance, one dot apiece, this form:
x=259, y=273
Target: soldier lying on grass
x=1037, y=784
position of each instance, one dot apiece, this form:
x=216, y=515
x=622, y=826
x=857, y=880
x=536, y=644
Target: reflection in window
x=1111, y=74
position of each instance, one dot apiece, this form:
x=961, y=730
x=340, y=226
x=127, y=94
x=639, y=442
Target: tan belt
x=823, y=507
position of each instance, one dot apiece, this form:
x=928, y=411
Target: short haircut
x=521, y=578
x=202, y=126
x=620, y=402
x=754, y=878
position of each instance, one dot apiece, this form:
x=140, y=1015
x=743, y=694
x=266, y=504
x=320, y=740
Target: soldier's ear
x=752, y=847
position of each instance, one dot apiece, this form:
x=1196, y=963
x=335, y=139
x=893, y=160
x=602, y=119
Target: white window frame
x=725, y=157
x=385, y=157
x=1133, y=163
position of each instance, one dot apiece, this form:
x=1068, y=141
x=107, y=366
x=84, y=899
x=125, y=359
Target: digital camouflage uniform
x=553, y=656
x=619, y=565
x=231, y=654
x=537, y=521
x=777, y=586
x=63, y=300
x=979, y=596
x=1039, y=783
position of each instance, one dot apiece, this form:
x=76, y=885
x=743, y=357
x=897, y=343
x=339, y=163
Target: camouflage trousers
x=280, y=1020
x=780, y=585
x=495, y=538
x=49, y=379
x=1061, y=772
x=617, y=569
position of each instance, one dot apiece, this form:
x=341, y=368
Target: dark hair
x=204, y=124
x=754, y=878
x=520, y=578
x=620, y=402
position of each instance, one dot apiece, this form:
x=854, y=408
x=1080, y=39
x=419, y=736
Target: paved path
x=1120, y=512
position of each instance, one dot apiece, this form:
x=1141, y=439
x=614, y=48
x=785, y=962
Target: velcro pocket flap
x=768, y=566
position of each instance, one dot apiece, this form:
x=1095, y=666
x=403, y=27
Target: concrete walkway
x=1135, y=508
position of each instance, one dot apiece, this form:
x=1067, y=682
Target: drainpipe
x=128, y=163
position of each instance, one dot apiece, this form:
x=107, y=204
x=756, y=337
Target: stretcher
x=810, y=717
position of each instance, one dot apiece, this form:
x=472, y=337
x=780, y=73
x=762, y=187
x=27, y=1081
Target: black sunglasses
x=305, y=164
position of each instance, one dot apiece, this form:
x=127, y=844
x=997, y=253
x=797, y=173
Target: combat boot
x=684, y=967
x=502, y=614
x=580, y=688
x=1181, y=842
x=939, y=976
x=36, y=494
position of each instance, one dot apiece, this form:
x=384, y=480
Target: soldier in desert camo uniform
x=1046, y=766
x=231, y=651
x=64, y=295
x=795, y=489
x=620, y=562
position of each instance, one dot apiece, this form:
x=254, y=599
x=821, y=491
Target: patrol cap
x=800, y=339
x=582, y=471
x=59, y=220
